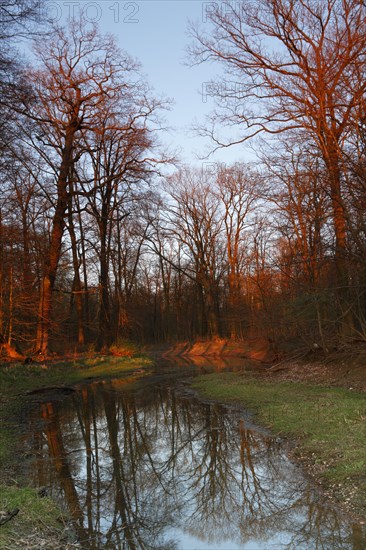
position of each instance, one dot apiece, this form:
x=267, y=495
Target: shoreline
x=311, y=419
x=326, y=375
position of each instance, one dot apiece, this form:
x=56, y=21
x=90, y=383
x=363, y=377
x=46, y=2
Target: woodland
x=105, y=236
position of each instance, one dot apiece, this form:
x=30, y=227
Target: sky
x=155, y=32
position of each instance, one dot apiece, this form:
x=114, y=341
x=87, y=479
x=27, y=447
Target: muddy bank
x=344, y=367
x=257, y=349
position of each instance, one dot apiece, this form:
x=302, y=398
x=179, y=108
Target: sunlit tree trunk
x=55, y=246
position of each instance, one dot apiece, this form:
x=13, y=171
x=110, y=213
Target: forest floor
x=345, y=369
x=318, y=406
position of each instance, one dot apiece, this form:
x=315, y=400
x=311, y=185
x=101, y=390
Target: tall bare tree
x=196, y=224
x=80, y=75
x=238, y=189
x=292, y=65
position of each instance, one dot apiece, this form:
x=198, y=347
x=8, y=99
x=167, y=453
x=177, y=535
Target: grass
x=327, y=423
x=38, y=522
x=17, y=378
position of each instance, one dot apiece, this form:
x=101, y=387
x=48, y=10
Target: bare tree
x=238, y=189
x=80, y=75
x=298, y=65
x=301, y=217
x=17, y=19
x=122, y=156
x=196, y=224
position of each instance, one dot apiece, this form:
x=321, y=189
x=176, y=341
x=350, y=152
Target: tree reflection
x=61, y=464
x=138, y=471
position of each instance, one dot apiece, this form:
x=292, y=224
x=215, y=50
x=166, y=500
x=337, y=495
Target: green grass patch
x=37, y=519
x=7, y=437
x=328, y=423
x=18, y=378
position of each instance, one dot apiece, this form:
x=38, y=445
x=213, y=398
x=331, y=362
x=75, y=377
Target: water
x=157, y=468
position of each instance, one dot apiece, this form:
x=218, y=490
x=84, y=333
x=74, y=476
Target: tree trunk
x=52, y=261
x=104, y=313
x=85, y=275
x=77, y=283
x=331, y=157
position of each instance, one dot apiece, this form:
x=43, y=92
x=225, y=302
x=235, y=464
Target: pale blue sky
x=155, y=32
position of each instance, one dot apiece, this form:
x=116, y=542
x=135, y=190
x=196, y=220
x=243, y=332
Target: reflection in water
x=163, y=471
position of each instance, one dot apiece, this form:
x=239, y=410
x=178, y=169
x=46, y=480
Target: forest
x=106, y=236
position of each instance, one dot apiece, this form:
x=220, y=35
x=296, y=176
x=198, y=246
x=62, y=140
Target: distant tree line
x=101, y=241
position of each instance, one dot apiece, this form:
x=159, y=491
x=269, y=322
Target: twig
x=9, y=516
x=288, y=359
